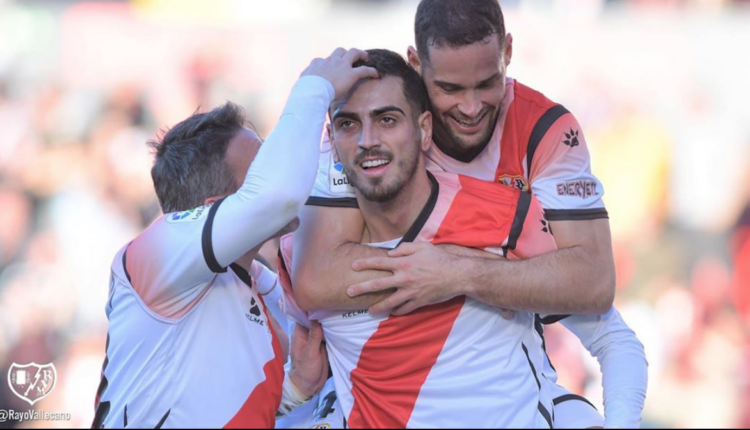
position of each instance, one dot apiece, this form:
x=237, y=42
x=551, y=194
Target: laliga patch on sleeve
x=338, y=181
x=188, y=216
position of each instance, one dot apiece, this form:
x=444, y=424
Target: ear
x=425, y=128
x=413, y=57
x=508, y=49
x=329, y=130
x=213, y=199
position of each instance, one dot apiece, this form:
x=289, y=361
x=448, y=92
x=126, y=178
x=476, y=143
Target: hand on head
x=338, y=69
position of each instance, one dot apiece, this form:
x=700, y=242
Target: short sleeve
x=171, y=262
x=560, y=174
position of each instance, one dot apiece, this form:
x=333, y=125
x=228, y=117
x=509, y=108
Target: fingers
x=338, y=52
x=406, y=249
x=385, y=306
x=300, y=332
x=365, y=72
x=353, y=55
x=315, y=335
x=406, y=308
x=384, y=264
x=372, y=286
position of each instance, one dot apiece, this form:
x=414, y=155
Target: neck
x=390, y=220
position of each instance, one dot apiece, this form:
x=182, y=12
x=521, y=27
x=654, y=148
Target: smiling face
x=379, y=138
x=466, y=86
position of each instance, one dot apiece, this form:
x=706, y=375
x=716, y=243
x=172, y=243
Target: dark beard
x=455, y=147
x=375, y=191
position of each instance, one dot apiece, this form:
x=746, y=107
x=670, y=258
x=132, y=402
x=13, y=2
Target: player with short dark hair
x=455, y=364
x=190, y=341
x=490, y=127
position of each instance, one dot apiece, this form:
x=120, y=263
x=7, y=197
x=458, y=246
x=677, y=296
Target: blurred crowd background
x=660, y=88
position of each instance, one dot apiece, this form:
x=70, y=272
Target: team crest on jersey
x=32, y=382
x=514, y=181
x=338, y=181
x=187, y=216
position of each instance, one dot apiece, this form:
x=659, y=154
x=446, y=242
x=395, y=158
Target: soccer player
x=191, y=342
x=496, y=129
x=607, y=337
x=493, y=128
x=459, y=363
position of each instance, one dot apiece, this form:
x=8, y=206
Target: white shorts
x=573, y=411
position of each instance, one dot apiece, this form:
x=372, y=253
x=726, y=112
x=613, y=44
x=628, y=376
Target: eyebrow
x=385, y=109
x=444, y=84
x=344, y=114
x=373, y=114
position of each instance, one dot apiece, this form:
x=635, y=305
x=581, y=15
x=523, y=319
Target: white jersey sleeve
x=561, y=175
x=332, y=187
x=623, y=364
x=573, y=411
x=177, y=256
x=272, y=292
x=279, y=179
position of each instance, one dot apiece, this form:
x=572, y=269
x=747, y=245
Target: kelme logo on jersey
x=187, y=216
x=32, y=382
x=514, y=181
x=339, y=182
x=253, y=315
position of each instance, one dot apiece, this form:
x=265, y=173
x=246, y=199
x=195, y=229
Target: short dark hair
x=389, y=63
x=189, y=160
x=456, y=23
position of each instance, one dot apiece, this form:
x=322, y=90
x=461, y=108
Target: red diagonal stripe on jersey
x=259, y=410
x=397, y=359
x=480, y=215
x=527, y=107
x=395, y=362
x=511, y=152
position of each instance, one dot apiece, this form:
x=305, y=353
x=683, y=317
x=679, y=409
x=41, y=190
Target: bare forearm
x=566, y=281
x=343, y=276
x=321, y=284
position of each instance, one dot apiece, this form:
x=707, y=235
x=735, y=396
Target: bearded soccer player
x=459, y=363
x=493, y=128
x=190, y=341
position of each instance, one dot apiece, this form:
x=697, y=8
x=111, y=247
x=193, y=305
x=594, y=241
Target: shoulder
x=530, y=99
x=479, y=214
x=533, y=114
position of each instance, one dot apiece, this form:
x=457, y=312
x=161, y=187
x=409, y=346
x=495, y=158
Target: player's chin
x=471, y=141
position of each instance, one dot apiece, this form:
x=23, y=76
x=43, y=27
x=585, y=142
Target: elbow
x=285, y=204
x=304, y=289
x=604, y=287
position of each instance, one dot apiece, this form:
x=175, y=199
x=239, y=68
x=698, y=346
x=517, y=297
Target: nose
x=369, y=138
x=470, y=105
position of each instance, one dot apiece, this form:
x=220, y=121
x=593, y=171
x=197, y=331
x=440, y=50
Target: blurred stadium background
x=660, y=88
